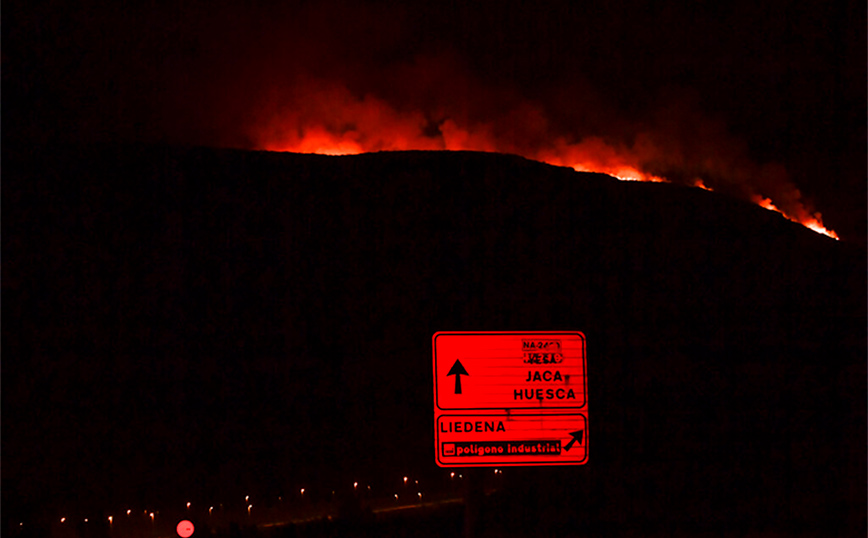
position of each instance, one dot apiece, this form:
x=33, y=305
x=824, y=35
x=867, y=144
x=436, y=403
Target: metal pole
x=474, y=494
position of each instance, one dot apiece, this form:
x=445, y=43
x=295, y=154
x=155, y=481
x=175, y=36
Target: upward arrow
x=457, y=370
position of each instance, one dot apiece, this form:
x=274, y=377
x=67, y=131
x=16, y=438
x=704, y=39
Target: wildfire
x=766, y=203
x=331, y=121
x=699, y=183
x=813, y=222
x=819, y=228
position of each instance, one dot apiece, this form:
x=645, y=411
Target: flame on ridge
x=813, y=222
x=334, y=123
x=699, y=183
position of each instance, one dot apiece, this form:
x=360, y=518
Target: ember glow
x=766, y=203
x=332, y=122
x=813, y=222
x=699, y=183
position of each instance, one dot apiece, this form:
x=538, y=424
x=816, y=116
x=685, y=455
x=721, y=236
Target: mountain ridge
x=205, y=306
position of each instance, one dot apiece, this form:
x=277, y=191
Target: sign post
x=510, y=399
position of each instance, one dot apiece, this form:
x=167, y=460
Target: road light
x=355, y=485
x=63, y=520
x=302, y=491
x=188, y=506
x=405, y=480
x=211, y=509
x=110, y=519
x=129, y=512
x=249, y=508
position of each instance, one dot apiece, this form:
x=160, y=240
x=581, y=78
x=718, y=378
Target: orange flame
x=766, y=203
x=813, y=222
x=699, y=183
x=334, y=122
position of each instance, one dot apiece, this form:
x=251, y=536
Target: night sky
x=769, y=94
x=183, y=322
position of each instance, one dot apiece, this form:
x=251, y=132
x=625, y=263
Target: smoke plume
x=701, y=97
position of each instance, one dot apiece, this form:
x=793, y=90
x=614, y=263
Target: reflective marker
x=185, y=529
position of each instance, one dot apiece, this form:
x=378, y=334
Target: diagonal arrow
x=577, y=438
x=457, y=370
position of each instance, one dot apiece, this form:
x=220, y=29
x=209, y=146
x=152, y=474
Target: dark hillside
x=189, y=322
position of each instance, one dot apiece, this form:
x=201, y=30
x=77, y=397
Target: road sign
x=510, y=398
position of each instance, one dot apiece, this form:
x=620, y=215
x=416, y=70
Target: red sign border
x=513, y=333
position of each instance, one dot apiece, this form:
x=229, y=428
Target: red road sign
x=510, y=398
